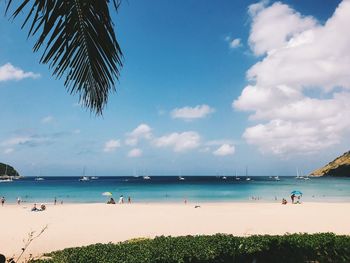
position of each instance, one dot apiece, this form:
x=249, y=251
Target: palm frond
x=78, y=42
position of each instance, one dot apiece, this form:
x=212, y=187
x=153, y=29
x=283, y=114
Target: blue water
x=171, y=189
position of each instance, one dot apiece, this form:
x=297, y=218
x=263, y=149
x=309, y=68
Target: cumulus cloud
x=235, y=43
x=191, y=113
x=180, y=142
x=9, y=72
x=299, y=91
x=225, y=149
x=143, y=131
x=135, y=153
x=111, y=145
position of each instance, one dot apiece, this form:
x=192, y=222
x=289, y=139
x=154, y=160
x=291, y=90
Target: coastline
x=72, y=224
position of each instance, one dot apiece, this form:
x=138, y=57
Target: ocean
x=174, y=189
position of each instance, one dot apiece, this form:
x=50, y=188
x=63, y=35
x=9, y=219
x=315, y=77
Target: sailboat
x=8, y=179
x=298, y=175
x=84, y=178
x=246, y=174
x=39, y=178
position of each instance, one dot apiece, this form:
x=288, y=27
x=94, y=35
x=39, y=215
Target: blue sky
x=184, y=102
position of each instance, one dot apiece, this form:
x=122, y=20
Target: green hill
x=339, y=167
x=8, y=172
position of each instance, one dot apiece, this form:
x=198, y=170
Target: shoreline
x=72, y=225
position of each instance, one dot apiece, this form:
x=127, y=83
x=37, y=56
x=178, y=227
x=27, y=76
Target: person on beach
x=284, y=201
x=111, y=201
x=121, y=199
x=18, y=200
x=292, y=197
x=34, y=209
x=2, y=201
x=55, y=201
x=129, y=200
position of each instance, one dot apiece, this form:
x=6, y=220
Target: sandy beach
x=71, y=225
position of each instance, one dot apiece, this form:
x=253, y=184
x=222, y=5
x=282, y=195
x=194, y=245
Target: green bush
x=292, y=248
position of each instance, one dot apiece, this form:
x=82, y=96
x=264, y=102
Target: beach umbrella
x=107, y=194
x=296, y=192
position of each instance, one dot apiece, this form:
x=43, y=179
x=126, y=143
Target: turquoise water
x=171, y=189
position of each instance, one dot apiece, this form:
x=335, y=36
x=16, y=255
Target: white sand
x=72, y=225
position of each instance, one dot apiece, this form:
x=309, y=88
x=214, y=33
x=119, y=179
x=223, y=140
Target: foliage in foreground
x=325, y=247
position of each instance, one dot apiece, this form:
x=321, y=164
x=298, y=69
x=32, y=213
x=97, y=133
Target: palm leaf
x=80, y=44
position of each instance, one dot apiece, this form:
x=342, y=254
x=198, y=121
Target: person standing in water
x=121, y=199
x=55, y=201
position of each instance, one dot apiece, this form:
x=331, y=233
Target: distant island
x=7, y=171
x=340, y=167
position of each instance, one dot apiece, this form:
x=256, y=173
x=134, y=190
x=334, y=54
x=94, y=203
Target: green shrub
x=218, y=248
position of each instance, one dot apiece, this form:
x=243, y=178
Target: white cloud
x=9, y=72
x=225, y=149
x=135, y=153
x=180, y=142
x=302, y=57
x=8, y=150
x=30, y=141
x=111, y=145
x=47, y=119
x=235, y=43
x=274, y=25
x=190, y=113
x=143, y=131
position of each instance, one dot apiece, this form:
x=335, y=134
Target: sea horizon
x=162, y=189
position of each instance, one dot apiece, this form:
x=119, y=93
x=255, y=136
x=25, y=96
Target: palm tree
x=78, y=43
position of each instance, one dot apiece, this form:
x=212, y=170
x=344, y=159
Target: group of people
x=35, y=209
x=121, y=200
x=295, y=199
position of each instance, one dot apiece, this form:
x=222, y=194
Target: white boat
x=8, y=179
x=246, y=174
x=298, y=175
x=146, y=177
x=224, y=178
x=39, y=179
x=277, y=178
x=84, y=178
x=94, y=178
x=181, y=178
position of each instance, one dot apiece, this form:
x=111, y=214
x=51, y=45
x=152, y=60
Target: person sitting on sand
x=284, y=201
x=111, y=201
x=34, y=209
x=42, y=207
